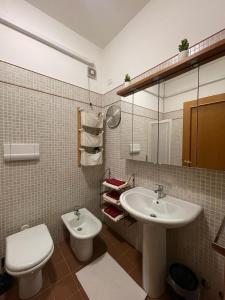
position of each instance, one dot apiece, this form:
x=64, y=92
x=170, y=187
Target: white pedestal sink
x=157, y=215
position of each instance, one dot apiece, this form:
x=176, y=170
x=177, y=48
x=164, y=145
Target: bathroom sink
x=157, y=215
x=170, y=212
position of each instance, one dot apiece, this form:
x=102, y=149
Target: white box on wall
x=14, y=152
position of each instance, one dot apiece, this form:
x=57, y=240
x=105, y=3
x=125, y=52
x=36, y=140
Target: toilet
x=82, y=229
x=26, y=253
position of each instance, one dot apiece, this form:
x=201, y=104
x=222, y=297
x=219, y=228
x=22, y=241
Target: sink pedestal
x=154, y=260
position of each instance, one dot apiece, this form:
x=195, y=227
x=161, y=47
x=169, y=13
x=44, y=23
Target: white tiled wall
x=38, y=109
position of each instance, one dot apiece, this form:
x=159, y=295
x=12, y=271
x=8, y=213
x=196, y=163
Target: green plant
x=127, y=78
x=184, y=45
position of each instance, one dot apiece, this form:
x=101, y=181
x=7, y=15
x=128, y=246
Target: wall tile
x=38, y=109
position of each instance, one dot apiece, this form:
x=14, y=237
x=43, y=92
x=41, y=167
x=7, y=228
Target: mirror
x=126, y=127
x=178, y=122
x=145, y=125
x=177, y=92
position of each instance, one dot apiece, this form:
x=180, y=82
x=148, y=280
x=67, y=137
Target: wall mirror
x=204, y=122
x=145, y=125
x=179, y=122
x=126, y=127
x=176, y=93
x=139, y=125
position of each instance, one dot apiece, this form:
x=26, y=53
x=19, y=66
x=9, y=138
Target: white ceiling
x=97, y=20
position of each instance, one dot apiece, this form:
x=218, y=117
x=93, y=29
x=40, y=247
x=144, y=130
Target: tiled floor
x=59, y=278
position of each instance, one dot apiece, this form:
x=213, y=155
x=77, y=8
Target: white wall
x=149, y=38
x=154, y=33
x=23, y=51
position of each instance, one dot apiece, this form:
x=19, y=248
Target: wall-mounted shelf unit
x=89, y=138
x=201, y=57
x=109, y=200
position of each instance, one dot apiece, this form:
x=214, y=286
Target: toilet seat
x=28, y=250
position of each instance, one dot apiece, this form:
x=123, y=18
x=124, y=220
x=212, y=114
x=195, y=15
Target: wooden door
x=204, y=133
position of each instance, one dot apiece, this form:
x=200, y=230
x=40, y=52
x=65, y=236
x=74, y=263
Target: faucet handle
x=159, y=185
x=76, y=208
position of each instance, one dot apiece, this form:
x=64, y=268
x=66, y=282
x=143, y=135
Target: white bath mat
x=104, y=279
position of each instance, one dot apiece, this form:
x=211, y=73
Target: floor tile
x=47, y=294
x=73, y=263
x=57, y=271
x=126, y=263
x=65, y=248
x=137, y=276
x=76, y=296
x=77, y=282
x=64, y=288
x=57, y=255
x=85, y=297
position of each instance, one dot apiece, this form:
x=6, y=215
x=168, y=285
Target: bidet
x=82, y=230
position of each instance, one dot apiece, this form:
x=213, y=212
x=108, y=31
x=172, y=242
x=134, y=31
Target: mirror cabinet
x=178, y=121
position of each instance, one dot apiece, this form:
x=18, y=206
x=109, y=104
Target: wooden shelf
x=118, y=218
x=110, y=200
x=200, y=58
x=116, y=188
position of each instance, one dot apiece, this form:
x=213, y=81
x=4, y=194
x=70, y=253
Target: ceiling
x=99, y=21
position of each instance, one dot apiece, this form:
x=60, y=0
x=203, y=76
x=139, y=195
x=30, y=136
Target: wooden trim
x=202, y=57
x=78, y=136
x=211, y=99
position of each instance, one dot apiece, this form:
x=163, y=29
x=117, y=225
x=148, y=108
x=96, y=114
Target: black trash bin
x=5, y=279
x=183, y=283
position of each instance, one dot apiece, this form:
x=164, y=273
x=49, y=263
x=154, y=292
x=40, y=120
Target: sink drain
x=153, y=216
x=79, y=228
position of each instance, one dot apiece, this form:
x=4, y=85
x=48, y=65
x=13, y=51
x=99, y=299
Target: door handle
x=187, y=162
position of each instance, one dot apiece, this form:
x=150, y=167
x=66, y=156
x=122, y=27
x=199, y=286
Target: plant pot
x=182, y=54
x=126, y=83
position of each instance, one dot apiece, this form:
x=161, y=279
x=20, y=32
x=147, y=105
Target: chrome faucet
x=160, y=192
x=77, y=212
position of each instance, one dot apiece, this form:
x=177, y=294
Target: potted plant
x=127, y=80
x=183, y=48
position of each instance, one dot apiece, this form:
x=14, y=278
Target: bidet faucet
x=77, y=212
x=160, y=192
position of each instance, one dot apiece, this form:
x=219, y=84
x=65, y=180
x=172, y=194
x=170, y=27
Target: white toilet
x=26, y=253
x=83, y=228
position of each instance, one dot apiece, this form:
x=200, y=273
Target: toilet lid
x=28, y=248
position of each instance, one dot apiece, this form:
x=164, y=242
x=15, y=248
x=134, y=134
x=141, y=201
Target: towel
x=115, y=182
x=113, y=211
x=114, y=195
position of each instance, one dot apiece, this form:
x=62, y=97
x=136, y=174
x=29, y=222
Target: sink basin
x=170, y=212
x=156, y=215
